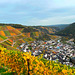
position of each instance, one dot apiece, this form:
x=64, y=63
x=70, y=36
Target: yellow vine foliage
x=2, y=33
x=37, y=34
x=12, y=34
x=1, y=39
x=28, y=34
x=10, y=28
x=16, y=62
x=18, y=31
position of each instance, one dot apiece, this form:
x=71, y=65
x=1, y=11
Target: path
x=4, y=40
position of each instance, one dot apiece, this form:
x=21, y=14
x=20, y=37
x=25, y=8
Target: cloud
x=52, y=20
x=37, y=11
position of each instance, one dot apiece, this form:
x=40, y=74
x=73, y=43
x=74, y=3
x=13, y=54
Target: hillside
x=13, y=61
x=24, y=28
x=59, y=26
x=20, y=27
x=45, y=29
x=10, y=37
x=19, y=63
x=36, y=32
x=2, y=38
x=68, y=31
x=13, y=25
x=8, y=31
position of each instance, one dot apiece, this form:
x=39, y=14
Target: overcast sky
x=37, y=12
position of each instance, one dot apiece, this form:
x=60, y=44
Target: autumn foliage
x=10, y=28
x=17, y=63
x=2, y=33
x=28, y=34
x=9, y=31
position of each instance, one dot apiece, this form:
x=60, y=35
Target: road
x=13, y=44
x=15, y=35
x=8, y=38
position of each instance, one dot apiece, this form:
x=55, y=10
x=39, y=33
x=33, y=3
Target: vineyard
x=9, y=35
x=8, y=31
x=19, y=63
x=2, y=38
x=27, y=32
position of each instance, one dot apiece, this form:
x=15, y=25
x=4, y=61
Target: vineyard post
x=28, y=66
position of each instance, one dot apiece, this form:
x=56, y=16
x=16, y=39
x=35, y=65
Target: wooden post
x=28, y=66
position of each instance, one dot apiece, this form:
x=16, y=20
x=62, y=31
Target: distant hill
x=13, y=25
x=46, y=29
x=23, y=28
x=68, y=31
x=59, y=26
x=34, y=32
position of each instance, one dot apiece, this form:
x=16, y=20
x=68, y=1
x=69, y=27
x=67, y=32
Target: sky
x=37, y=12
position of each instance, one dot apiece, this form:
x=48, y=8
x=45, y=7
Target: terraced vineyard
x=10, y=37
x=8, y=31
x=2, y=38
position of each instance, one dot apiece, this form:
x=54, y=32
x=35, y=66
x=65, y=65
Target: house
x=21, y=46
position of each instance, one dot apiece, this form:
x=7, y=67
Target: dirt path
x=4, y=40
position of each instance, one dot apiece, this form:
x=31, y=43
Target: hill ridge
x=68, y=31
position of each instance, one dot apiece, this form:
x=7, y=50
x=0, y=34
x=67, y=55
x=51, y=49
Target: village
x=52, y=50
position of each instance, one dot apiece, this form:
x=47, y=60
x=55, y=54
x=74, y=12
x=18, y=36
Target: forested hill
x=24, y=28
x=60, y=26
x=13, y=25
x=36, y=32
x=68, y=31
x=46, y=30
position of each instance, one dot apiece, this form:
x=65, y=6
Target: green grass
x=8, y=46
x=3, y=37
x=6, y=42
x=28, y=39
x=0, y=28
x=2, y=70
x=7, y=33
